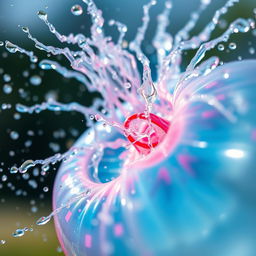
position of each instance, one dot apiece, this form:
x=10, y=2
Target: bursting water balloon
x=167, y=164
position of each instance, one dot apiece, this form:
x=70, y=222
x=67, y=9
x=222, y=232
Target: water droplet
x=1, y=43
x=25, y=29
x=16, y=116
x=34, y=209
x=45, y=167
x=33, y=184
x=221, y=47
x=76, y=10
x=7, y=78
x=7, y=89
x=232, y=46
x=21, y=108
x=251, y=50
x=18, y=233
x=46, y=65
x=43, y=220
x=14, y=169
x=226, y=75
x=2, y=241
x=5, y=106
x=35, y=80
x=33, y=59
x=45, y=189
x=14, y=135
x=42, y=15
x=4, y=178
x=12, y=48
x=26, y=165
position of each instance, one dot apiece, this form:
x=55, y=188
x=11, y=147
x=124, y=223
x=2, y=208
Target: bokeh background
x=25, y=198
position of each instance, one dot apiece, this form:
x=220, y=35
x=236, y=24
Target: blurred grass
x=42, y=241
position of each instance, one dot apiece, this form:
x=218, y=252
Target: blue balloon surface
x=197, y=200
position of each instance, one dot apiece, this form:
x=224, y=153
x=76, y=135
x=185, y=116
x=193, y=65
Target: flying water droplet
x=14, y=135
x=33, y=59
x=46, y=65
x=7, y=89
x=42, y=15
x=221, y=47
x=18, y=233
x=45, y=189
x=35, y=80
x=251, y=50
x=25, y=29
x=7, y=78
x=21, y=108
x=12, y=48
x=232, y=46
x=26, y=165
x=43, y=220
x=45, y=167
x=76, y=10
x=14, y=169
x=4, y=178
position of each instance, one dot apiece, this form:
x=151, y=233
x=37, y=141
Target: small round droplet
x=7, y=89
x=221, y=47
x=34, y=209
x=45, y=189
x=14, y=169
x=251, y=50
x=76, y=10
x=7, y=78
x=35, y=80
x=2, y=241
x=46, y=167
x=1, y=43
x=33, y=59
x=4, y=178
x=226, y=75
x=232, y=46
x=25, y=29
x=14, y=135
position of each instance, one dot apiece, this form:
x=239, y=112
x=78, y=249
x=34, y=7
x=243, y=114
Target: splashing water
x=138, y=130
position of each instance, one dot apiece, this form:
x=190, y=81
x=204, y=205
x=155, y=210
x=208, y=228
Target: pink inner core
x=145, y=131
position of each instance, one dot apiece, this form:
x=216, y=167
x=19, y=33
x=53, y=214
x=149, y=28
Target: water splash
x=108, y=68
x=104, y=71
